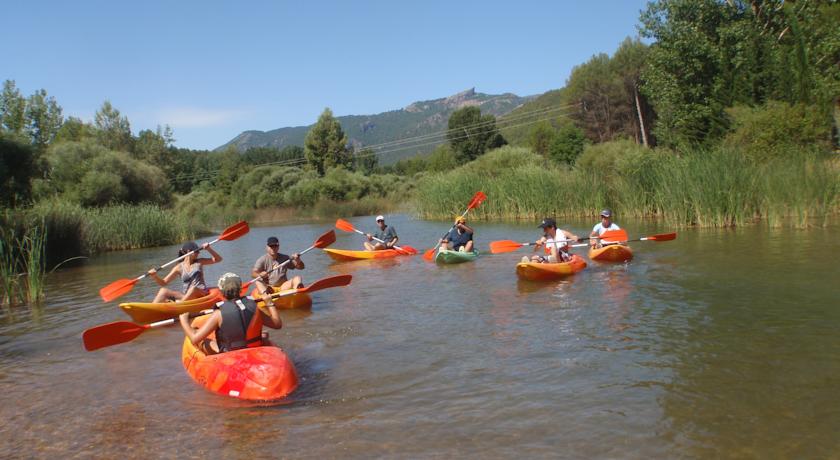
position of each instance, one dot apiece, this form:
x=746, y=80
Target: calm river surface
x=722, y=343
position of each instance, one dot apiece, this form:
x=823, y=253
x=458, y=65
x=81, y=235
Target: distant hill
x=552, y=107
x=424, y=118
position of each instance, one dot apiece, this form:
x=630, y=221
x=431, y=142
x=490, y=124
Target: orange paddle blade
x=117, y=289
x=235, y=231
x=477, y=199
x=499, y=247
x=109, y=334
x=325, y=240
x=407, y=249
x=661, y=237
x=614, y=236
x=343, y=225
x=430, y=254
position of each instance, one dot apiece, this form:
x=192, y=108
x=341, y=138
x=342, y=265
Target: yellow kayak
x=148, y=312
x=349, y=254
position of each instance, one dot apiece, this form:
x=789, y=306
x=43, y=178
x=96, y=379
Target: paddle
x=323, y=241
x=660, y=237
x=612, y=236
x=106, y=335
x=476, y=201
x=122, y=286
x=342, y=224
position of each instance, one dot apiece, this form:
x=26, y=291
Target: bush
x=567, y=145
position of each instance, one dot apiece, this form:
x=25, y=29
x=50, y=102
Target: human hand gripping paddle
x=342, y=224
x=612, y=236
x=476, y=201
x=106, y=335
x=323, y=241
x=123, y=286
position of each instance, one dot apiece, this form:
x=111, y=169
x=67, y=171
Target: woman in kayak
x=557, y=244
x=603, y=226
x=459, y=238
x=191, y=270
x=271, y=268
x=237, y=321
x=385, y=233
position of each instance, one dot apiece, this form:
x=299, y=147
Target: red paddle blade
x=662, y=237
x=477, y=199
x=614, y=236
x=408, y=250
x=343, y=225
x=430, y=254
x=326, y=283
x=109, y=334
x=499, y=247
x=235, y=231
x=325, y=240
x=117, y=289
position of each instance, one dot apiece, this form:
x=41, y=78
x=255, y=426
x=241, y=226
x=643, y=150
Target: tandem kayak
x=543, y=272
x=262, y=373
x=147, y=312
x=349, y=254
x=611, y=253
x=445, y=256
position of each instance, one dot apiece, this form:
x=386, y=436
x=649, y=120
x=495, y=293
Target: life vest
x=241, y=325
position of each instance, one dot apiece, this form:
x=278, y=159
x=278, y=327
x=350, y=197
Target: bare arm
x=215, y=257
x=197, y=335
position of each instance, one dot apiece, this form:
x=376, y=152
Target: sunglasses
x=274, y=245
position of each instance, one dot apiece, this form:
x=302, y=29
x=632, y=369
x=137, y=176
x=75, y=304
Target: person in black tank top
x=237, y=321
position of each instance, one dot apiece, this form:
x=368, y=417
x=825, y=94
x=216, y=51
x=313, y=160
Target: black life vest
x=241, y=325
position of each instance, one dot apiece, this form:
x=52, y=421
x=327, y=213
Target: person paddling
x=237, y=321
x=606, y=224
x=459, y=238
x=386, y=233
x=269, y=271
x=556, y=240
x=191, y=270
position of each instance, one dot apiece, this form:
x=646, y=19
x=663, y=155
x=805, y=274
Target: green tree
x=12, y=109
x=365, y=161
x=325, y=145
x=541, y=137
x=74, y=130
x=114, y=130
x=470, y=134
x=43, y=119
x=567, y=144
x=17, y=166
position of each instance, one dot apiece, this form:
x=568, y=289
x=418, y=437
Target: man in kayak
x=271, y=269
x=605, y=225
x=555, y=240
x=386, y=233
x=459, y=238
x=237, y=321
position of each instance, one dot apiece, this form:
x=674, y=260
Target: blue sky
x=212, y=69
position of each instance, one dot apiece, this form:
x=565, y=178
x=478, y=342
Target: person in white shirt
x=603, y=226
x=555, y=240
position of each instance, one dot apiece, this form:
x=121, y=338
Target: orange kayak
x=254, y=374
x=147, y=312
x=544, y=272
x=348, y=254
x=611, y=253
x=299, y=300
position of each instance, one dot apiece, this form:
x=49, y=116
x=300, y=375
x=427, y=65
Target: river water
x=722, y=343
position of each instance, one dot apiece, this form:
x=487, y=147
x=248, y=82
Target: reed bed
x=22, y=265
x=708, y=188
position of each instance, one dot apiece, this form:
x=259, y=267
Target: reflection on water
x=721, y=343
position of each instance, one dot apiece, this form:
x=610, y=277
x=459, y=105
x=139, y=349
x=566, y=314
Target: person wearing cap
x=556, y=242
x=191, y=270
x=386, y=233
x=271, y=268
x=601, y=227
x=459, y=238
x=237, y=321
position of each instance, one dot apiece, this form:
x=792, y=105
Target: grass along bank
x=710, y=188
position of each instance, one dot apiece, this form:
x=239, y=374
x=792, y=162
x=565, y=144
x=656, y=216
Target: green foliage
x=610, y=158
x=17, y=166
x=12, y=109
x=541, y=137
x=470, y=134
x=114, y=130
x=552, y=107
x=567, y=145
x=325, y=145
x=365, y=161
x=95, y=176
x=777, y=128
x=74, y=130
x=44, y=119
x=261, y=155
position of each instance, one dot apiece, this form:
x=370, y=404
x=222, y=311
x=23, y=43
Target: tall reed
x=8, y=272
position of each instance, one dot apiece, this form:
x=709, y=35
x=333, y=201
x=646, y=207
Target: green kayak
x=445, y=256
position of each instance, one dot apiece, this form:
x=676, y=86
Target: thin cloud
x=191, y=117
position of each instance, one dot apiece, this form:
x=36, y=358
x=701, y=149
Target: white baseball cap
x=378, y=218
